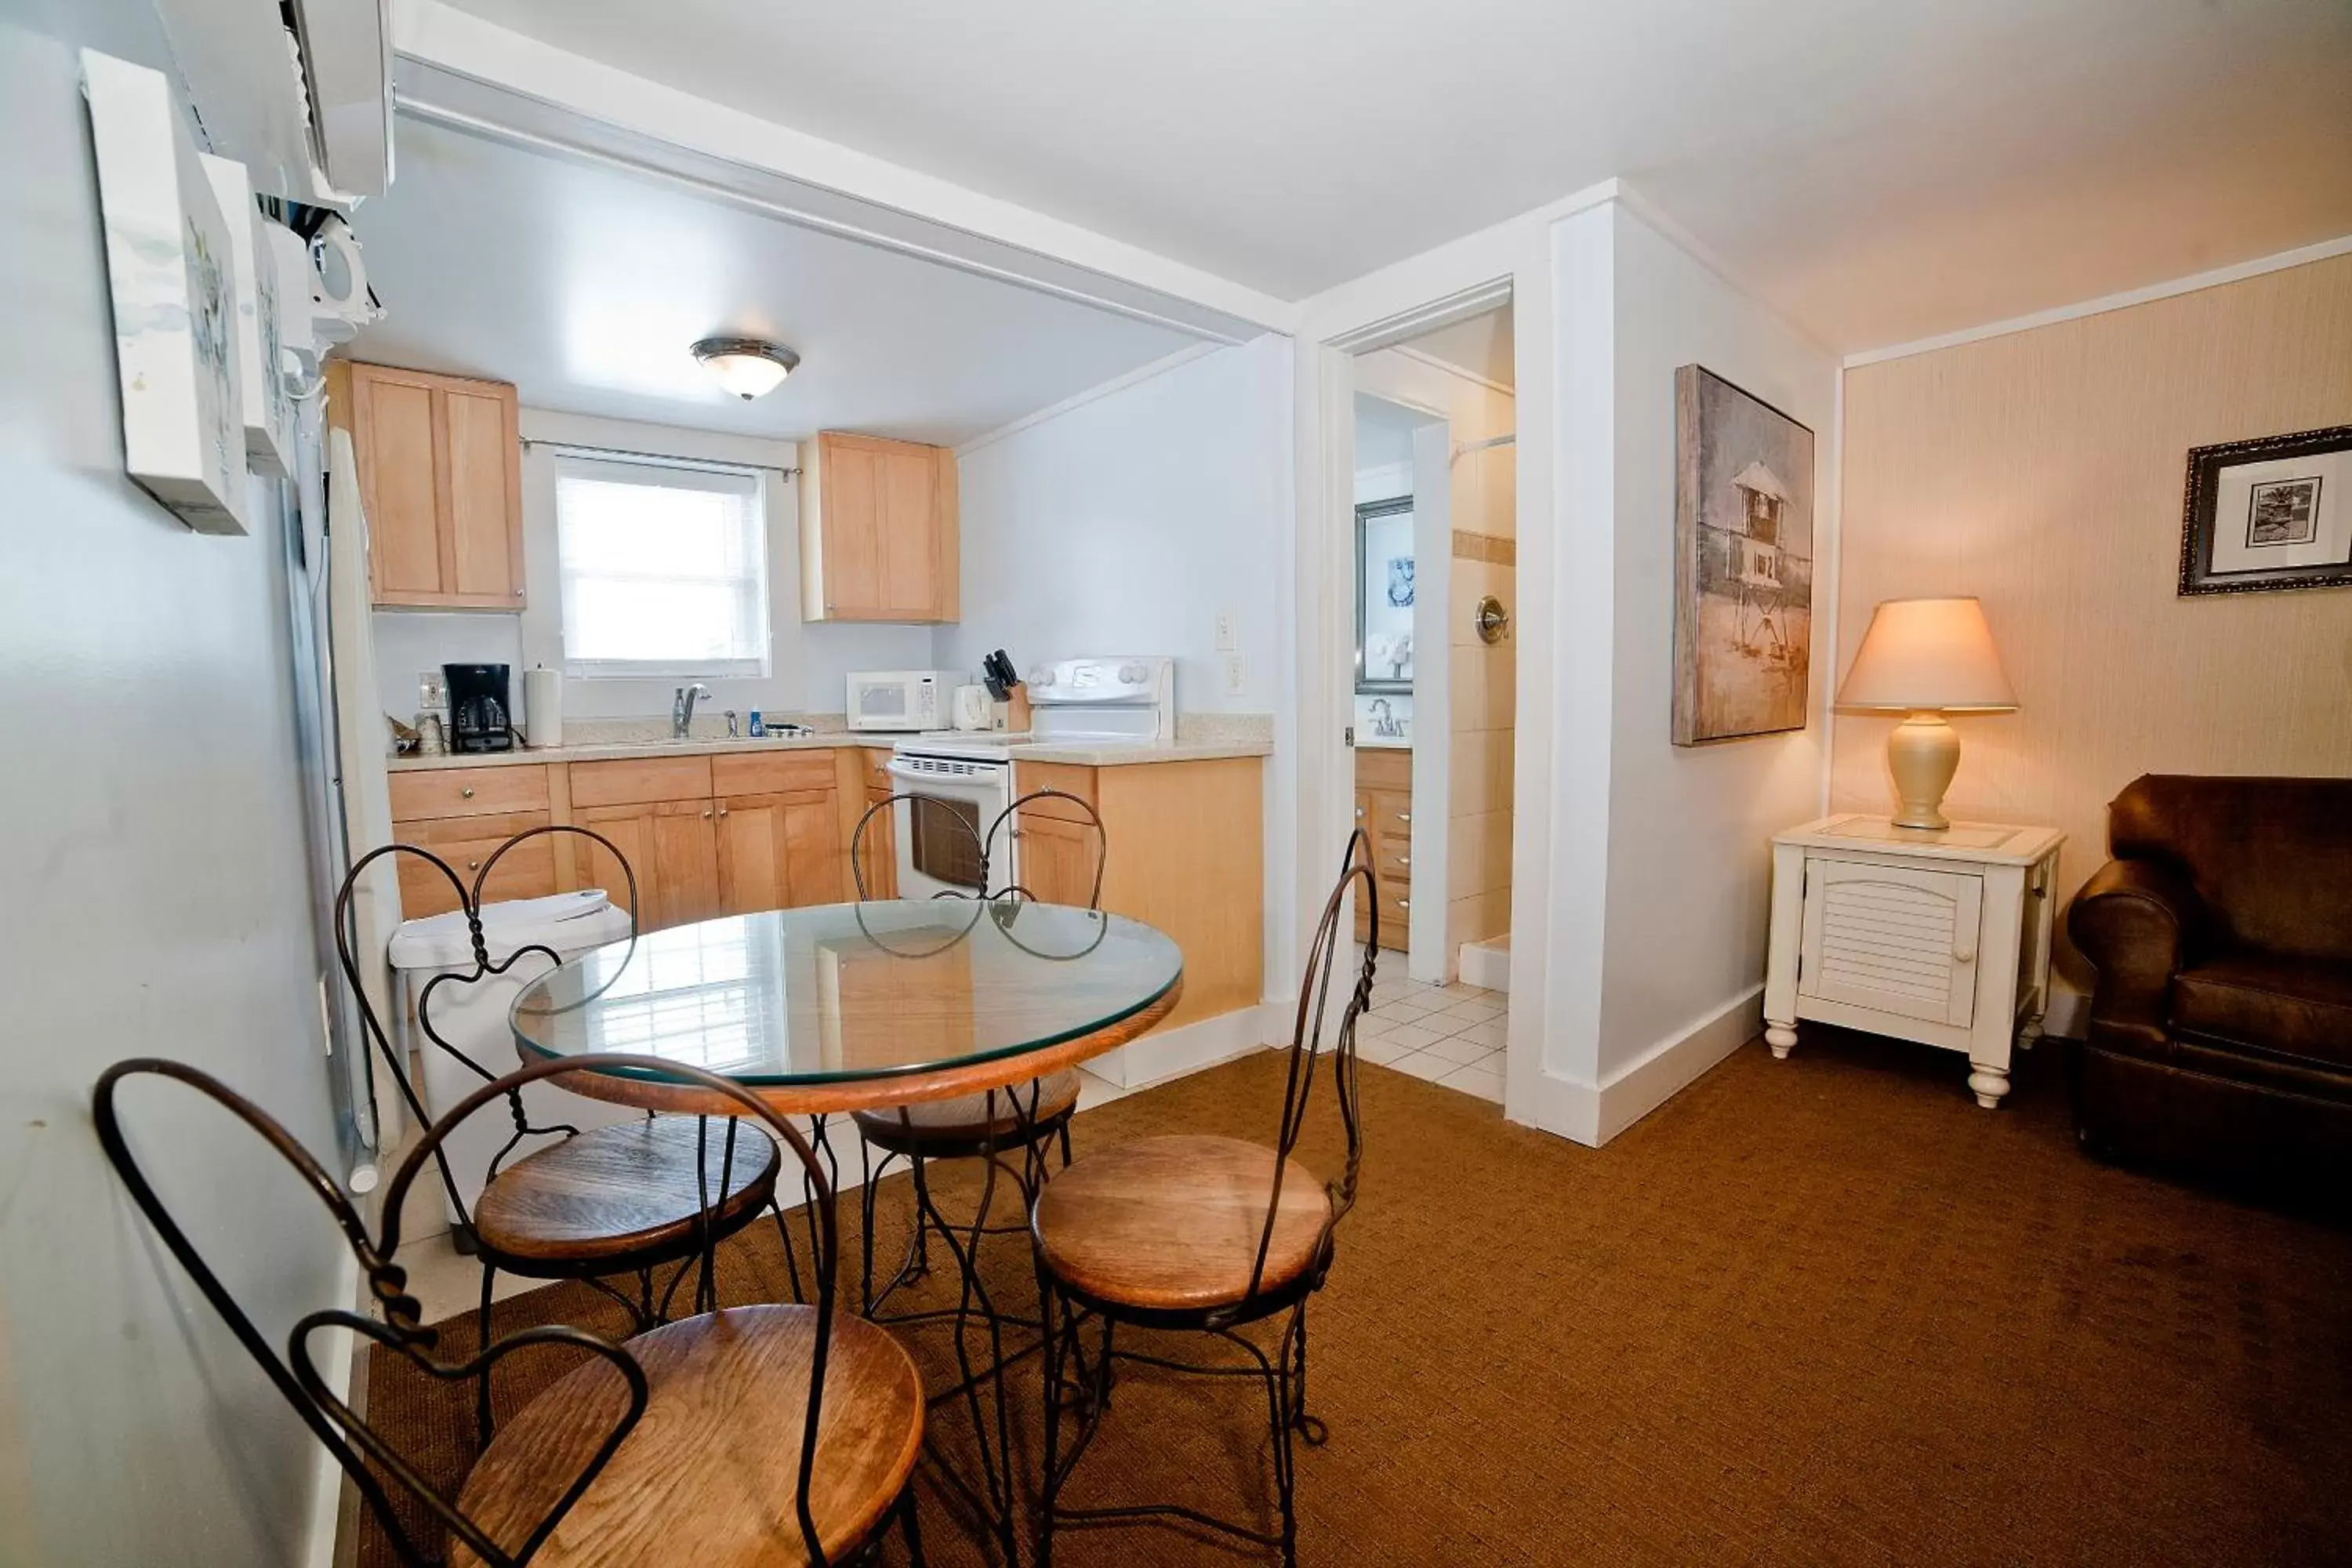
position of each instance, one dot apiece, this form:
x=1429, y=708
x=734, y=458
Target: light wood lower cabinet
x=1186, y=853
x=779, y=851
x=705, y=836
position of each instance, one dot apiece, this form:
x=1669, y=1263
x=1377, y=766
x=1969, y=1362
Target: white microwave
x=902, y=699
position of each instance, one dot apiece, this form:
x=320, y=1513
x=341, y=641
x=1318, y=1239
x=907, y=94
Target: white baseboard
x=328, y=1545
x=1593, y=1114
x=1485, y=965
x=1172, y=1053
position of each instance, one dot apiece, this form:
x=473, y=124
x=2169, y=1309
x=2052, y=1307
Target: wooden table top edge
x=865, y=1093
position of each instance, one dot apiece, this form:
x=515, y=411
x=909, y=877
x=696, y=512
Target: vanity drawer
x=466, y=792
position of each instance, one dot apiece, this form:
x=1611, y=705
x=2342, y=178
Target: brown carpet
x=1820, y=1311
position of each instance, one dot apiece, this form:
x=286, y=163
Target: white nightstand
x=1941, y=937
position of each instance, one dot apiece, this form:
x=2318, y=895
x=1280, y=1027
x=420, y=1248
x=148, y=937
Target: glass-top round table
x=847, y=1006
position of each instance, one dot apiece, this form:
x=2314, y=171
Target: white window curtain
x=665, y=567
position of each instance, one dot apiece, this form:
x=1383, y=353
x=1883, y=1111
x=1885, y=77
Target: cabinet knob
x=473, y=865
x=723, y=813
x=1404, y=903
x=1964, y=953
x=1359, y=814
x=467, y=793
x=1404, y=817
x=1404, y=859
x=706, y=816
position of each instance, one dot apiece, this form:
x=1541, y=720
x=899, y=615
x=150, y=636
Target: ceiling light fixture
x=748, y=367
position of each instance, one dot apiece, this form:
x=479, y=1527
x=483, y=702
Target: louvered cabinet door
x=1891, y=938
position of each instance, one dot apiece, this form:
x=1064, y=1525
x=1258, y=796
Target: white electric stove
x=959, y=782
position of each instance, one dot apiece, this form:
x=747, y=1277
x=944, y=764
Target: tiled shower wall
x=1485, y=680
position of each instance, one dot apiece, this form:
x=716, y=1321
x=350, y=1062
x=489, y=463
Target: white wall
x=809, y=664
x=158, y=901
x=1125, y=523
x=1688, y=873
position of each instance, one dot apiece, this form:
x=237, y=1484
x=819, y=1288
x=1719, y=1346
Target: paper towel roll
x=542, y=708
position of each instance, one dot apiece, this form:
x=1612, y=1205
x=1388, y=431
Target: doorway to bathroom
x=1431, y=583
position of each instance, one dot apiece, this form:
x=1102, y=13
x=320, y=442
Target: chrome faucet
x=681, y=709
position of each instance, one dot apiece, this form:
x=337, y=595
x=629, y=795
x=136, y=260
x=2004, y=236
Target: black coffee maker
x=478, y=708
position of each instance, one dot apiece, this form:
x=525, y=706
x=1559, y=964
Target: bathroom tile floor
x=1451, y=1035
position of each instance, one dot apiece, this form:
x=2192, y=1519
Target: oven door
x=945, y=810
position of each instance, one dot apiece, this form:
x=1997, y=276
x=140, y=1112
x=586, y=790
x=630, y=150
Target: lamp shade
x=1927, y=656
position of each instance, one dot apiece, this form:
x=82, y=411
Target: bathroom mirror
x=1384, y=592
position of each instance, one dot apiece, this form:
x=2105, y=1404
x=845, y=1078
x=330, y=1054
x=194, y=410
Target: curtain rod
x=1463, y=448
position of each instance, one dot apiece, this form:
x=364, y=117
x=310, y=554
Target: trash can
x=473, y=1016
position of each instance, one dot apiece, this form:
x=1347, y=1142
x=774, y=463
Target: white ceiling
x=584, y=286
x=1879, y=172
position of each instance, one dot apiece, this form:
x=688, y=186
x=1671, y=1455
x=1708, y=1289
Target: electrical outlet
x=1226, y=641
x=1235, y=682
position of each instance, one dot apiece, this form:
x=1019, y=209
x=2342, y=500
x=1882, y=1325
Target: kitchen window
x=665, y=567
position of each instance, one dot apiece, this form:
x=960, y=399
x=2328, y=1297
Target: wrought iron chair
x=787, y=1433
x=629, y=1198
x=1022, y=1120
x=1210, y=1234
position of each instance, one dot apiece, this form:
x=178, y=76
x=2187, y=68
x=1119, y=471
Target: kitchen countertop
x=1104, y=756
x=621, y=751
x=1116, y=754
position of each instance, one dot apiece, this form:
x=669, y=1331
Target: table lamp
x=1927, y=657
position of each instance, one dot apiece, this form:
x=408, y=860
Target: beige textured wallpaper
x=2044, y=472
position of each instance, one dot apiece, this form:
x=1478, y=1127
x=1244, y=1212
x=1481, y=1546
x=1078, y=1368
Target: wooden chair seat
x=1174, y=1223
x=965, y=1118
x=621, y=1190
x=708, y=1477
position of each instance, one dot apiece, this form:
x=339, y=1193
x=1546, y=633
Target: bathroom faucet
x=681, y=709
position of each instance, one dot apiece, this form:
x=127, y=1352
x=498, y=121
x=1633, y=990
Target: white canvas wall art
x=170, y=264
x=268, y=411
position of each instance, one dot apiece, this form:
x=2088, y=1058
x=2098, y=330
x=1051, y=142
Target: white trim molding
x=1592, y=1114
x=2302, y=254
x=1190, y=1048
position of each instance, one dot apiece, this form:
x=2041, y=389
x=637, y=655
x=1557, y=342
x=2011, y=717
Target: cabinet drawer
x=640, y=780
x=1067, y=777
x=1382, y=768
x=1894, y=938
x=466, y=792
x=734, y=774
x=1391, y=814
x=528, y=871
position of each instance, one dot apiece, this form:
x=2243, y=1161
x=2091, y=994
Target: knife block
x=1016, y=709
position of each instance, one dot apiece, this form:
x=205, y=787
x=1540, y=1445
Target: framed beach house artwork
x=1743, y=562
x=169, y=265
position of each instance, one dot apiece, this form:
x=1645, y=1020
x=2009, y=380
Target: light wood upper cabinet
x=878, y=531
x=440, y=463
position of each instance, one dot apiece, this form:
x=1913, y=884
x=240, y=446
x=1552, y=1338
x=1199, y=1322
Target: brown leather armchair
x=2220, y=1031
